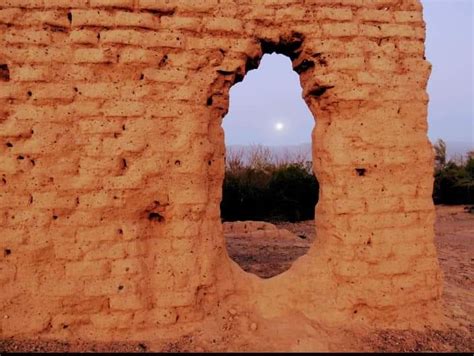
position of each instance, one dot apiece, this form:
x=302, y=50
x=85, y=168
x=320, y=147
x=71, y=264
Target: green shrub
x=272, y=192
x=454, y=183
x=294, y=192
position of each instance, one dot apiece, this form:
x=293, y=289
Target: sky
x=267, y=108
x=450, y=49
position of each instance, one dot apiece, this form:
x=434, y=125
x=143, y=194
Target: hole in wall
x=123, y=165
x=319, y=90
x=360, y=171
x=269, y=190
x=4, y=73
x=163, y=61
x=154, y=216
x=55, y=28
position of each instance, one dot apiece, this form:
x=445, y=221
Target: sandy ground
x=455, y=243
x=266, y=258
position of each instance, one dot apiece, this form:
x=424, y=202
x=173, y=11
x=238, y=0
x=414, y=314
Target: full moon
x=279, y=126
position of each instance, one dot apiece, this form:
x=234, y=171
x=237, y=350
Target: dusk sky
x=267, y=108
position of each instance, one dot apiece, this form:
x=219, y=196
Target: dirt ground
x=455, y=243
x=267, y=258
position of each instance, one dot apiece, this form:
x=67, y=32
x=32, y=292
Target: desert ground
x=455, y=243
x=269, y=257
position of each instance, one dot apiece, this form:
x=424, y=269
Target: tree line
x=454, y=178
x=260, y=185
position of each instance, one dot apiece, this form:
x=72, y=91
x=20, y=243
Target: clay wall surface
x=112, y=162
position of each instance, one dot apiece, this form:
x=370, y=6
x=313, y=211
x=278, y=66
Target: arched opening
x=269, y=189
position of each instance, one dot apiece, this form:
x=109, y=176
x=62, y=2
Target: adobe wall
x=112, y=161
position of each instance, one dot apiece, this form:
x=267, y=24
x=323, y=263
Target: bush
x=245, y=195
x=264, y=189
x=294, y=193
x=454, y=182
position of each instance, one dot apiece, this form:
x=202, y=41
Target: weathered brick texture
x=112, y=161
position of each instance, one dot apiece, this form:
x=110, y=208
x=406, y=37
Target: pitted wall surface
x=112, y=161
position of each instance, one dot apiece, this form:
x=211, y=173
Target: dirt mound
x=262, y=248
x=257, y=230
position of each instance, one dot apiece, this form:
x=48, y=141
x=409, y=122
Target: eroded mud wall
x=112, y=160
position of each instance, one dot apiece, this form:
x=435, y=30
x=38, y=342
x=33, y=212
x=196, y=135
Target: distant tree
x=258, y=188
x=470, y=154
x=440, y=153
x=294, y=193
x=308, y=166
x=454, y=180
x=234, y=159
x=470, y=165
x=260, y=157
x=288, y=157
